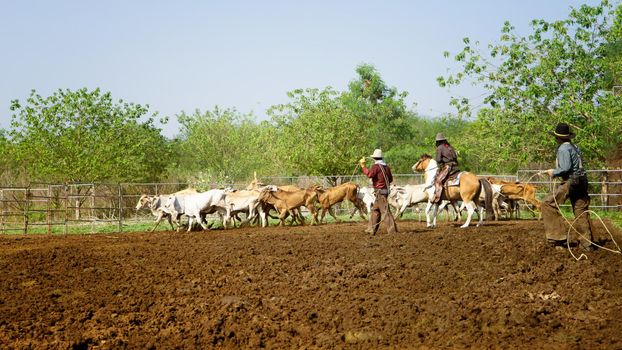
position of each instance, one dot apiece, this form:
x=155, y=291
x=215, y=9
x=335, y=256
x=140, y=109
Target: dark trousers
x=439, y=181
x=555, y=225
x=380, y=214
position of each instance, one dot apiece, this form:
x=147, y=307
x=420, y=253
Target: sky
x=186, y=55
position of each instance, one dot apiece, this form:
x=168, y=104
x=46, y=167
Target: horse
x=467, y=191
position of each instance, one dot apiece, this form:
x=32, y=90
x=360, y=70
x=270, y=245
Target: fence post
x=605, y=190
x=93, y=212
x=48, y=210
x=66, y=201
x=2, y=227
x=26, y=202
x=120, y=209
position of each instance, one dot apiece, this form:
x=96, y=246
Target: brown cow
x=286, y=202
x=517, y=191
x=331, y=196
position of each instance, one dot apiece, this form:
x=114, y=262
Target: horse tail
x=490, y=214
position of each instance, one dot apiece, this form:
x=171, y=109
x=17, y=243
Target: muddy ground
x=329, y=286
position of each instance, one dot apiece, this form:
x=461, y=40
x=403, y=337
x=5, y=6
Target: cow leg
x=404, y=206
x=359, y=205
x=323, y=214
x=283, y=216
x=157, y=221
x=170, y=221
x=331, y=211
x=190, y=222
x=301, y=218
x=230, y=219
x=314, y=213
x=354, y=211
x=250, y=216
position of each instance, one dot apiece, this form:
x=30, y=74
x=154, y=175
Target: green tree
x=11, y=171
x=380, y=109
x=223, y=145
x=318, y=135
x=557, y=73
x=84, y=136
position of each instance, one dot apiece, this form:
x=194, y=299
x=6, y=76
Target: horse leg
x=434, y=214
x=480, y=214
x=442, y=206
x=470, y=211
x=428, y=220
x=456, y=211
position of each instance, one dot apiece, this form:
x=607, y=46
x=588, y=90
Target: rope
x=355, y=169
x=582, y=256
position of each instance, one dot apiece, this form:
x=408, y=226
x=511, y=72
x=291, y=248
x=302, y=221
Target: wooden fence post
x=120, y=208
x=605, y=191
x=48, y=211
x=26, y=202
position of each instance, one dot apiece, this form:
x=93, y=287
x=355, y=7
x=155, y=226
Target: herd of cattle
x=258, y=201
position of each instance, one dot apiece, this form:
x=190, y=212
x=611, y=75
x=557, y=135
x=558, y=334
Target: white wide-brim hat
x=377, y=154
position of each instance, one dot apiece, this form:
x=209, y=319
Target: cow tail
x=490, y=214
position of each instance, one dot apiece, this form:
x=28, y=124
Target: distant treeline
x=568, y=70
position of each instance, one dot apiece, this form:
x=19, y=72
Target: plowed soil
x=328, y=286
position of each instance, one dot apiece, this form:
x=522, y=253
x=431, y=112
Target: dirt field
x=329, y=286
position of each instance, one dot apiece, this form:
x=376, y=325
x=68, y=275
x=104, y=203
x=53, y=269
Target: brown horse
x=467, y=191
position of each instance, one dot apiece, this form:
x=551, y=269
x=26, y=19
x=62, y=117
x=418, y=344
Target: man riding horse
x=447, y=160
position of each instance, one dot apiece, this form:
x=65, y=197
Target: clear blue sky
x=184, y=55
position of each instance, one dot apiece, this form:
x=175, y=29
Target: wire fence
x=87, y=207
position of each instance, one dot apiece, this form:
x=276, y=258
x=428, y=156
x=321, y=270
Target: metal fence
x=64, y=208
x=605, y=187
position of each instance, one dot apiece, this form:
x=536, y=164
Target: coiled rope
x=571, y=224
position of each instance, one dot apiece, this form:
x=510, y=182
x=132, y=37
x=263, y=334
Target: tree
x=380, y=109
x=318, y=135
x=84, y=136
x=555, y=74
x=223, y=145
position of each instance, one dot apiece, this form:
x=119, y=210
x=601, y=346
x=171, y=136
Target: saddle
x=453, y=178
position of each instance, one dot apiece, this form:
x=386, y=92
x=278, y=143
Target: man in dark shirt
x=574, y=185
x=447, y=162
x=381, y=177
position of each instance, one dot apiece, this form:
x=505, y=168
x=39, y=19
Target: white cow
x=243, y=201
x=402, y=197
x=156, y=205
x=192, y=205
x=367, y=196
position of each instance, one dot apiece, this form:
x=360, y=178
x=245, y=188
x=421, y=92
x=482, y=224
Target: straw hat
x=440, y=137
x=377, y=154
